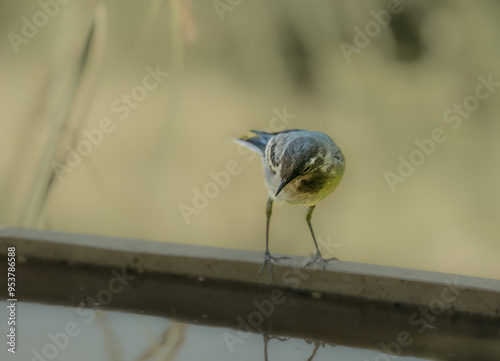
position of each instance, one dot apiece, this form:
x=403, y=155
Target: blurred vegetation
x=230, y=68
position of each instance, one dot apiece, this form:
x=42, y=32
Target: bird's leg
x=268, y=259
x=316, y=257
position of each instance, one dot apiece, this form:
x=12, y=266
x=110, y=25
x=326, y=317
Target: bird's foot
x=268, y=259
x=318, y=258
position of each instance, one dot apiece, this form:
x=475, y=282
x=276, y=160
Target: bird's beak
x=283, y=183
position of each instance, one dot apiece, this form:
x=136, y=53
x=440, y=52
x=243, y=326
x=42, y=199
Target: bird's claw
x=318, y=258
x=268, y=259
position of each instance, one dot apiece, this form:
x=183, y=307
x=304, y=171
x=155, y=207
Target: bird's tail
x=256, y=142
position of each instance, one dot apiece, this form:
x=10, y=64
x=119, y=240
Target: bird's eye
x=306, y=169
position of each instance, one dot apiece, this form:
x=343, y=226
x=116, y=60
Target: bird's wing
x=256, y=142
x=271, y=145
x=275, y=148
x=259, y=141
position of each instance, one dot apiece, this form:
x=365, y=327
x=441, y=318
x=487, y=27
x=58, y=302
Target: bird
x=301, y=167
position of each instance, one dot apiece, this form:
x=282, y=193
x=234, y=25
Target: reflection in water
x=317, y=345
x=169, y=345
x=111, y=339
x=73, y=334
x=164, y=348
x=267, y=338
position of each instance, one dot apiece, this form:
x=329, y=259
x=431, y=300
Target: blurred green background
x=233, y=66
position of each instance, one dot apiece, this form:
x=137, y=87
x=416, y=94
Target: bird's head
x=307, y=156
